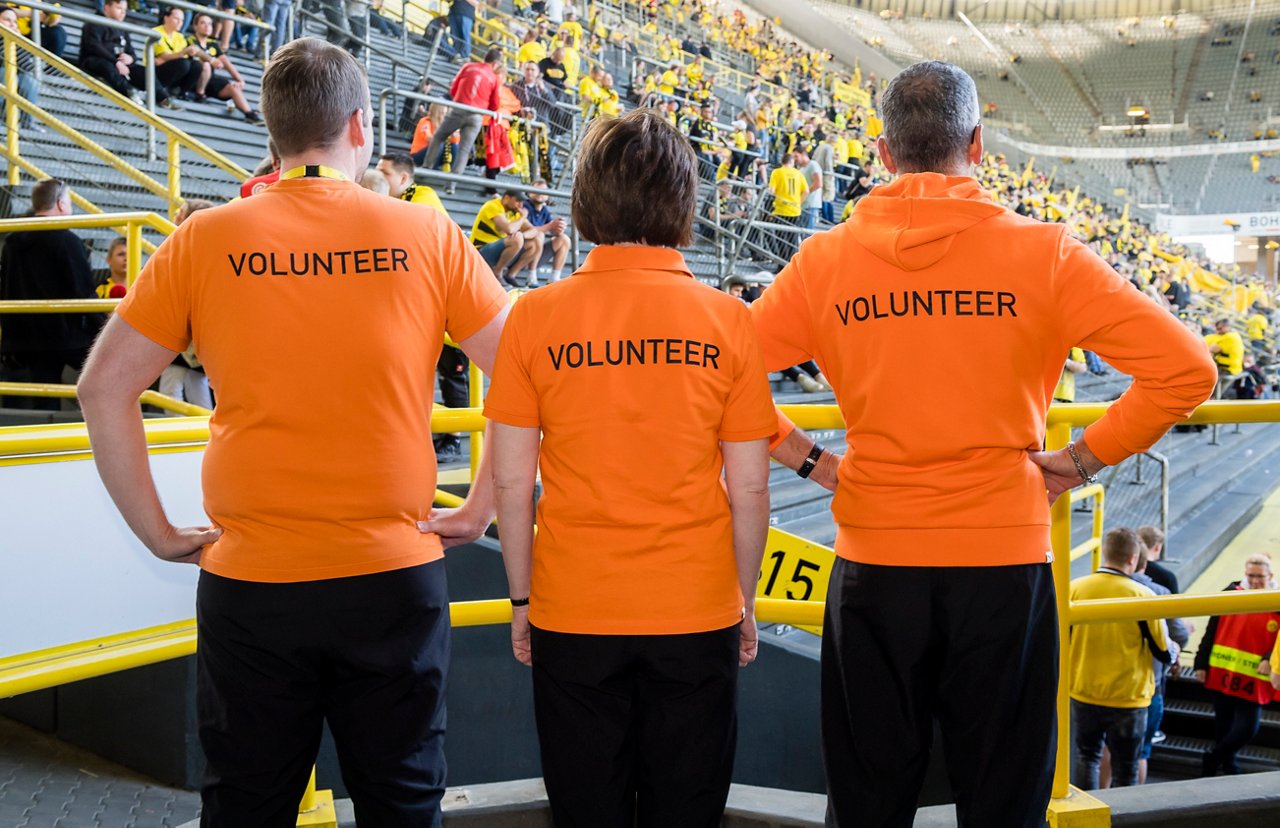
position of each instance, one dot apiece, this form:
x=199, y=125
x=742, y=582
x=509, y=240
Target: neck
x=340, y=161
x=118, y=278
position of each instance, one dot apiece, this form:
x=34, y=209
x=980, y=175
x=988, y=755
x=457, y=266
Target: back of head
x=375, y=181
x=309, y=91
x=1151, y=536
x=493, y=57
x=930, y=111
x=1119, y=547
x=46, y=194
x=637, y=181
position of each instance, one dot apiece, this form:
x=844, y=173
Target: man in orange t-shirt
x=318, y=309
x=941, y=600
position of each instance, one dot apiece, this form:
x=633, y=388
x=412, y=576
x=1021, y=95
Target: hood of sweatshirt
x=911, y=222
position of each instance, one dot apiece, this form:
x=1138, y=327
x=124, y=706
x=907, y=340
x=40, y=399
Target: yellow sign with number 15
x=794, y=569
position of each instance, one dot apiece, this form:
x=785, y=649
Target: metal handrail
x=176, y=138
x=68, y=392
x=391, y=92
x=150, y=38
x=1097, y=493
x=129, y=225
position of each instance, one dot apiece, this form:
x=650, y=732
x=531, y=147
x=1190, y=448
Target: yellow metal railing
x=68, y=392
x=60, y=665
x=129, y=225
x=176, y=140
x=1093, y=545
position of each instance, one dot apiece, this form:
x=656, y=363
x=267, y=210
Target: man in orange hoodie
x=941, y=602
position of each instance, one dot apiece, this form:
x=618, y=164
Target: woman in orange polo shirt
x=635, y=604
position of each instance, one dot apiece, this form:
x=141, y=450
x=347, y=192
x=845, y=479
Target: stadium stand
x=1060, y=83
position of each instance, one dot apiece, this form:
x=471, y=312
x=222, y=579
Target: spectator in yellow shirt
x=531, y=49
x=1228, y=350
x=670, y=80
x=789, y=188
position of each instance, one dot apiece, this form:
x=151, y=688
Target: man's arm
x=514, y=474
x=123, y=364
x=467, y=522
x=746, y=472
x=1172, y=373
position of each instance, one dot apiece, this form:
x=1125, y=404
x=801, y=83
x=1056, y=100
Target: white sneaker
x=809, y=385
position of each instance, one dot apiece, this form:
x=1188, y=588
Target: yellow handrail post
x=316, y=809
x=475, y=390
x=1060, y=539
x=133, y=238
x=1098, y=517
x=11, y=109
x=174, y=150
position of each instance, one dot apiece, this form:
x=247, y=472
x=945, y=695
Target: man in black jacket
x=45, y=264
x=107, y=54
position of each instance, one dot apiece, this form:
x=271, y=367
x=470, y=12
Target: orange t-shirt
x=635, y=372
x=320, y=336
x=942, y=321
x=422, y=133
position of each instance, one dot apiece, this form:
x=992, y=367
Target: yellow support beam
x=1078, y=809
x=316, y=809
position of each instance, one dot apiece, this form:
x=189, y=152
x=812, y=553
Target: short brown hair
x=637, y=181
x=1151, y=536
x=309, y=91
x=46, y=194
x=1119, y=545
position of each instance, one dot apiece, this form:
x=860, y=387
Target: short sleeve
x=782, y=319
x=512, y=399
x=749, y=412
x=473, y=296
x=158, y=304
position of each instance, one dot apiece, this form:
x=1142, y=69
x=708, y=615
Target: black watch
x=810, y=462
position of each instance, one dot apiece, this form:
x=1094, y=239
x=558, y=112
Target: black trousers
x=1235, y=722
x=179, y=76
x=106, y=71
x=368, y=654
x=636, y=729
x=975, y=648
x=40, y=367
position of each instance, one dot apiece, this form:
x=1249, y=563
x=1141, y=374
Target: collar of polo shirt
x=634, y=257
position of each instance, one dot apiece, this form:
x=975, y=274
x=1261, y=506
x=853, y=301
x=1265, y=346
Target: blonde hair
x=1259, y=559
x=376, y=181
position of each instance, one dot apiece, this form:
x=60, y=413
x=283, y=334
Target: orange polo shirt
x=942, y=321
x=635, y=372
x=320, y=336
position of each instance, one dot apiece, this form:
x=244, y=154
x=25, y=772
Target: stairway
x=1188, y=724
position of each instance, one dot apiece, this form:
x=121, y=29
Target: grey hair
x=930, y=110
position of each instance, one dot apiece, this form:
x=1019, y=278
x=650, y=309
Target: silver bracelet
x=1075, y=458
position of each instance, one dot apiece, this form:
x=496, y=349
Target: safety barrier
x=25, y=672
x=129, y=225
x=176, y=140
x=1093, y=545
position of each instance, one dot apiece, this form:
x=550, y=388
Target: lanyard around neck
x=313, y=171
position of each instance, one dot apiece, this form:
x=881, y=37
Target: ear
x=355, y=128
x=975, y=146
x=886, y=158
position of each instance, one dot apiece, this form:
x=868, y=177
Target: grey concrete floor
x=45, y=783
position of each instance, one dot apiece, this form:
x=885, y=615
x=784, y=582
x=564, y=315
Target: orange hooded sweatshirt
x=942, y=321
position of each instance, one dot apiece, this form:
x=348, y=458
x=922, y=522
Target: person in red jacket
x=478, y=85
x=1233, y=662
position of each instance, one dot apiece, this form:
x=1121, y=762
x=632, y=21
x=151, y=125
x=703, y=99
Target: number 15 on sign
x=795, y=570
